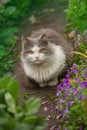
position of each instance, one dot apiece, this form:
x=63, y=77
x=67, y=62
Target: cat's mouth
x=37, y=61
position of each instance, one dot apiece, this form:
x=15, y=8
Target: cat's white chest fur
x=48, y=71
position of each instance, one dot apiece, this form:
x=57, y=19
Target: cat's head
x=36, y=50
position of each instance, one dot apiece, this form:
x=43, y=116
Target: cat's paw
x=53, y=82
x=43, y=84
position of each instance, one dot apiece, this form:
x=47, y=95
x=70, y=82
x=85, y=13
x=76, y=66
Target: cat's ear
x=25, y=41
x=44, y=38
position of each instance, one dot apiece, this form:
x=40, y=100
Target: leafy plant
x=7, y=37
x=22, y=7
x=13, y=117
x=80, y=57
x=77, y=15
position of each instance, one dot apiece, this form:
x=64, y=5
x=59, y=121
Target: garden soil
x=48, y=16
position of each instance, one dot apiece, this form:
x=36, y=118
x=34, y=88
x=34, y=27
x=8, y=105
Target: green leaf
x=10, y=84
x=33, y=119
x=2, y=106
x=22, y=127
x=13, y=89
x=11, y=104
x=10, y=10
x=19, y=115
x=32, y=105
x=4, y=81
x=3, y=121
x=40, y=126
x=1, y=128
x=8, y=32
x=2, y=100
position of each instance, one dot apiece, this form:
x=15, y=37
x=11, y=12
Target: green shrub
x=11, y=11
x=13, y=117
x=21, y=6
x=7, y=37
x=77, y=15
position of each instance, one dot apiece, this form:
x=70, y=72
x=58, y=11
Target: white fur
x=48, y=71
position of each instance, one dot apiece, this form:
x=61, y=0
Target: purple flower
x=66, y=83
x=55, y=109
x=74, y=66
x=84, y=70
x=64, y=97
x=78, y=80
x=84, y=75
x=70, y=103
x=74, y=71
x=80, y=97
x=67, y=76
x=83, y=84
x=57, y=93
x=63, y=100
x=66, y=111
x=75, y=91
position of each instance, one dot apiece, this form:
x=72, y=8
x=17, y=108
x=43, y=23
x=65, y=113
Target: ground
x=53, y=17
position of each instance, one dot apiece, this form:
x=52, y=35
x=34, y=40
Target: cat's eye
x=42, y=50
x=30, y=52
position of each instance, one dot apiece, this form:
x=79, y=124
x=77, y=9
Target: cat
x=45, y=55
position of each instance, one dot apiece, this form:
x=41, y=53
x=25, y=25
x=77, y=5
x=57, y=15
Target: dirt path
x=52, y=17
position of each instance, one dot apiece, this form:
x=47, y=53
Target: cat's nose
x=37, y=57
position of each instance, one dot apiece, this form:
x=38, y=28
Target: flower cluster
x=69, y=97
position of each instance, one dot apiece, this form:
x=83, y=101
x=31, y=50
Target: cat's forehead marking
x=35, y=48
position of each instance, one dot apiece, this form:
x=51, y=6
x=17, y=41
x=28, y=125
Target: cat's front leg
x=53, y=82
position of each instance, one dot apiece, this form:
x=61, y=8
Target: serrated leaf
x=11, y=104
x=32, y=105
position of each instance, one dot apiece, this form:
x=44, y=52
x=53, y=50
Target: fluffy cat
x=45, y=55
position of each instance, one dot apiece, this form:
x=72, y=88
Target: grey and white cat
x=45, y=54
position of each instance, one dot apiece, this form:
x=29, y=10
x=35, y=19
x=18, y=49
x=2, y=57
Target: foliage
x=21, y=6
x=71, y=95
x=78, y=58
x=13, y=117
x=77, y=15
x=7, y=37
x=38, y=2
